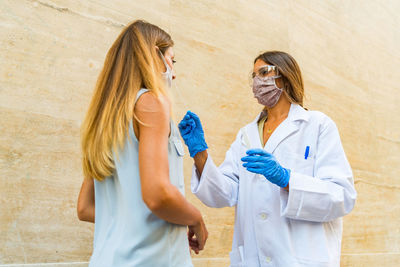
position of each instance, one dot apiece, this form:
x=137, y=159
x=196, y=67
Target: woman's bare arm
x=160, y=196
x=86, y=202
x=158, y=193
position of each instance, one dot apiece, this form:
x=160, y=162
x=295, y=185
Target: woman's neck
x=280, y=110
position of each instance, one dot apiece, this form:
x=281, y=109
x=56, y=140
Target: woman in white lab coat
x=286, y=174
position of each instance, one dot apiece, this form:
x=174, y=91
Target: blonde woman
x=286, y=173
x=132, y=159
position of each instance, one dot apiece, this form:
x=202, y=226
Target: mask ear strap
x=165, y=62
x=285, y=86
x=161, y=55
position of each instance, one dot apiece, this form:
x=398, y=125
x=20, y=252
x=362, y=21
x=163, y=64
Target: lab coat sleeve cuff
x=292, y=201
x=197, y=182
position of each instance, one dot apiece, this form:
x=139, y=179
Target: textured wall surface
x=52, y=51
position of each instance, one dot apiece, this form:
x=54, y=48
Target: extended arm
x=214, y=186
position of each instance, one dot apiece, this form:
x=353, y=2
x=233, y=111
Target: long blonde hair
x=132, y=62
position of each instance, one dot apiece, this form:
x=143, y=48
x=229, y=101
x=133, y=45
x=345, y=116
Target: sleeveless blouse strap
x=140, y=93
x=174, y=132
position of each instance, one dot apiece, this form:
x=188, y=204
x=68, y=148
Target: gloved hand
x=192, y=133
x=261, y=162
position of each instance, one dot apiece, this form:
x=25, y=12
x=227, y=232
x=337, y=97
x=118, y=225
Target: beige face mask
x=266, y=91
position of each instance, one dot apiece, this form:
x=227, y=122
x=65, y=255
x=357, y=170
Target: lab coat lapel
x=250, y=137
x=289, y=126
x=254, y=136
x=285, y=129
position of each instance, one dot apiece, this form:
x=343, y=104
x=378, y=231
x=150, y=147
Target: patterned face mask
x=266, y=91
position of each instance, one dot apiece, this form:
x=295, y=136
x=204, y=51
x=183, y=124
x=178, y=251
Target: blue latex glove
x=261, y=162
x=192, y=133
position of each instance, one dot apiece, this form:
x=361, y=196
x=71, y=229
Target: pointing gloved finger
x=255, y=165
x=255, y=159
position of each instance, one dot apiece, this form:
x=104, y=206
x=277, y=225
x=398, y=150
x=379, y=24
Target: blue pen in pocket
x=307, y=152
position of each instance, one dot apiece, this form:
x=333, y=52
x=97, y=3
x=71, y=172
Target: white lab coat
x=273, y=227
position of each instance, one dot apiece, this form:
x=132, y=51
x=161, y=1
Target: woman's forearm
x=200, y=160
x=87, y=215
x=86, y=201
x=171, y=206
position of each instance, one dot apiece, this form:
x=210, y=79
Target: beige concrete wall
x=51, y=53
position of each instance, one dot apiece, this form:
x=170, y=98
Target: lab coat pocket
x=179, y=147
x=236, y=257
x=309, y=243
x=299, y=164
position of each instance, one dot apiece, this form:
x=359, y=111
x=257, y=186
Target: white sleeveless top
x=126, y=232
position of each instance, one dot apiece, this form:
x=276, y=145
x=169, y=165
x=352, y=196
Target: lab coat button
x=263, y=216
x=268, y=259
